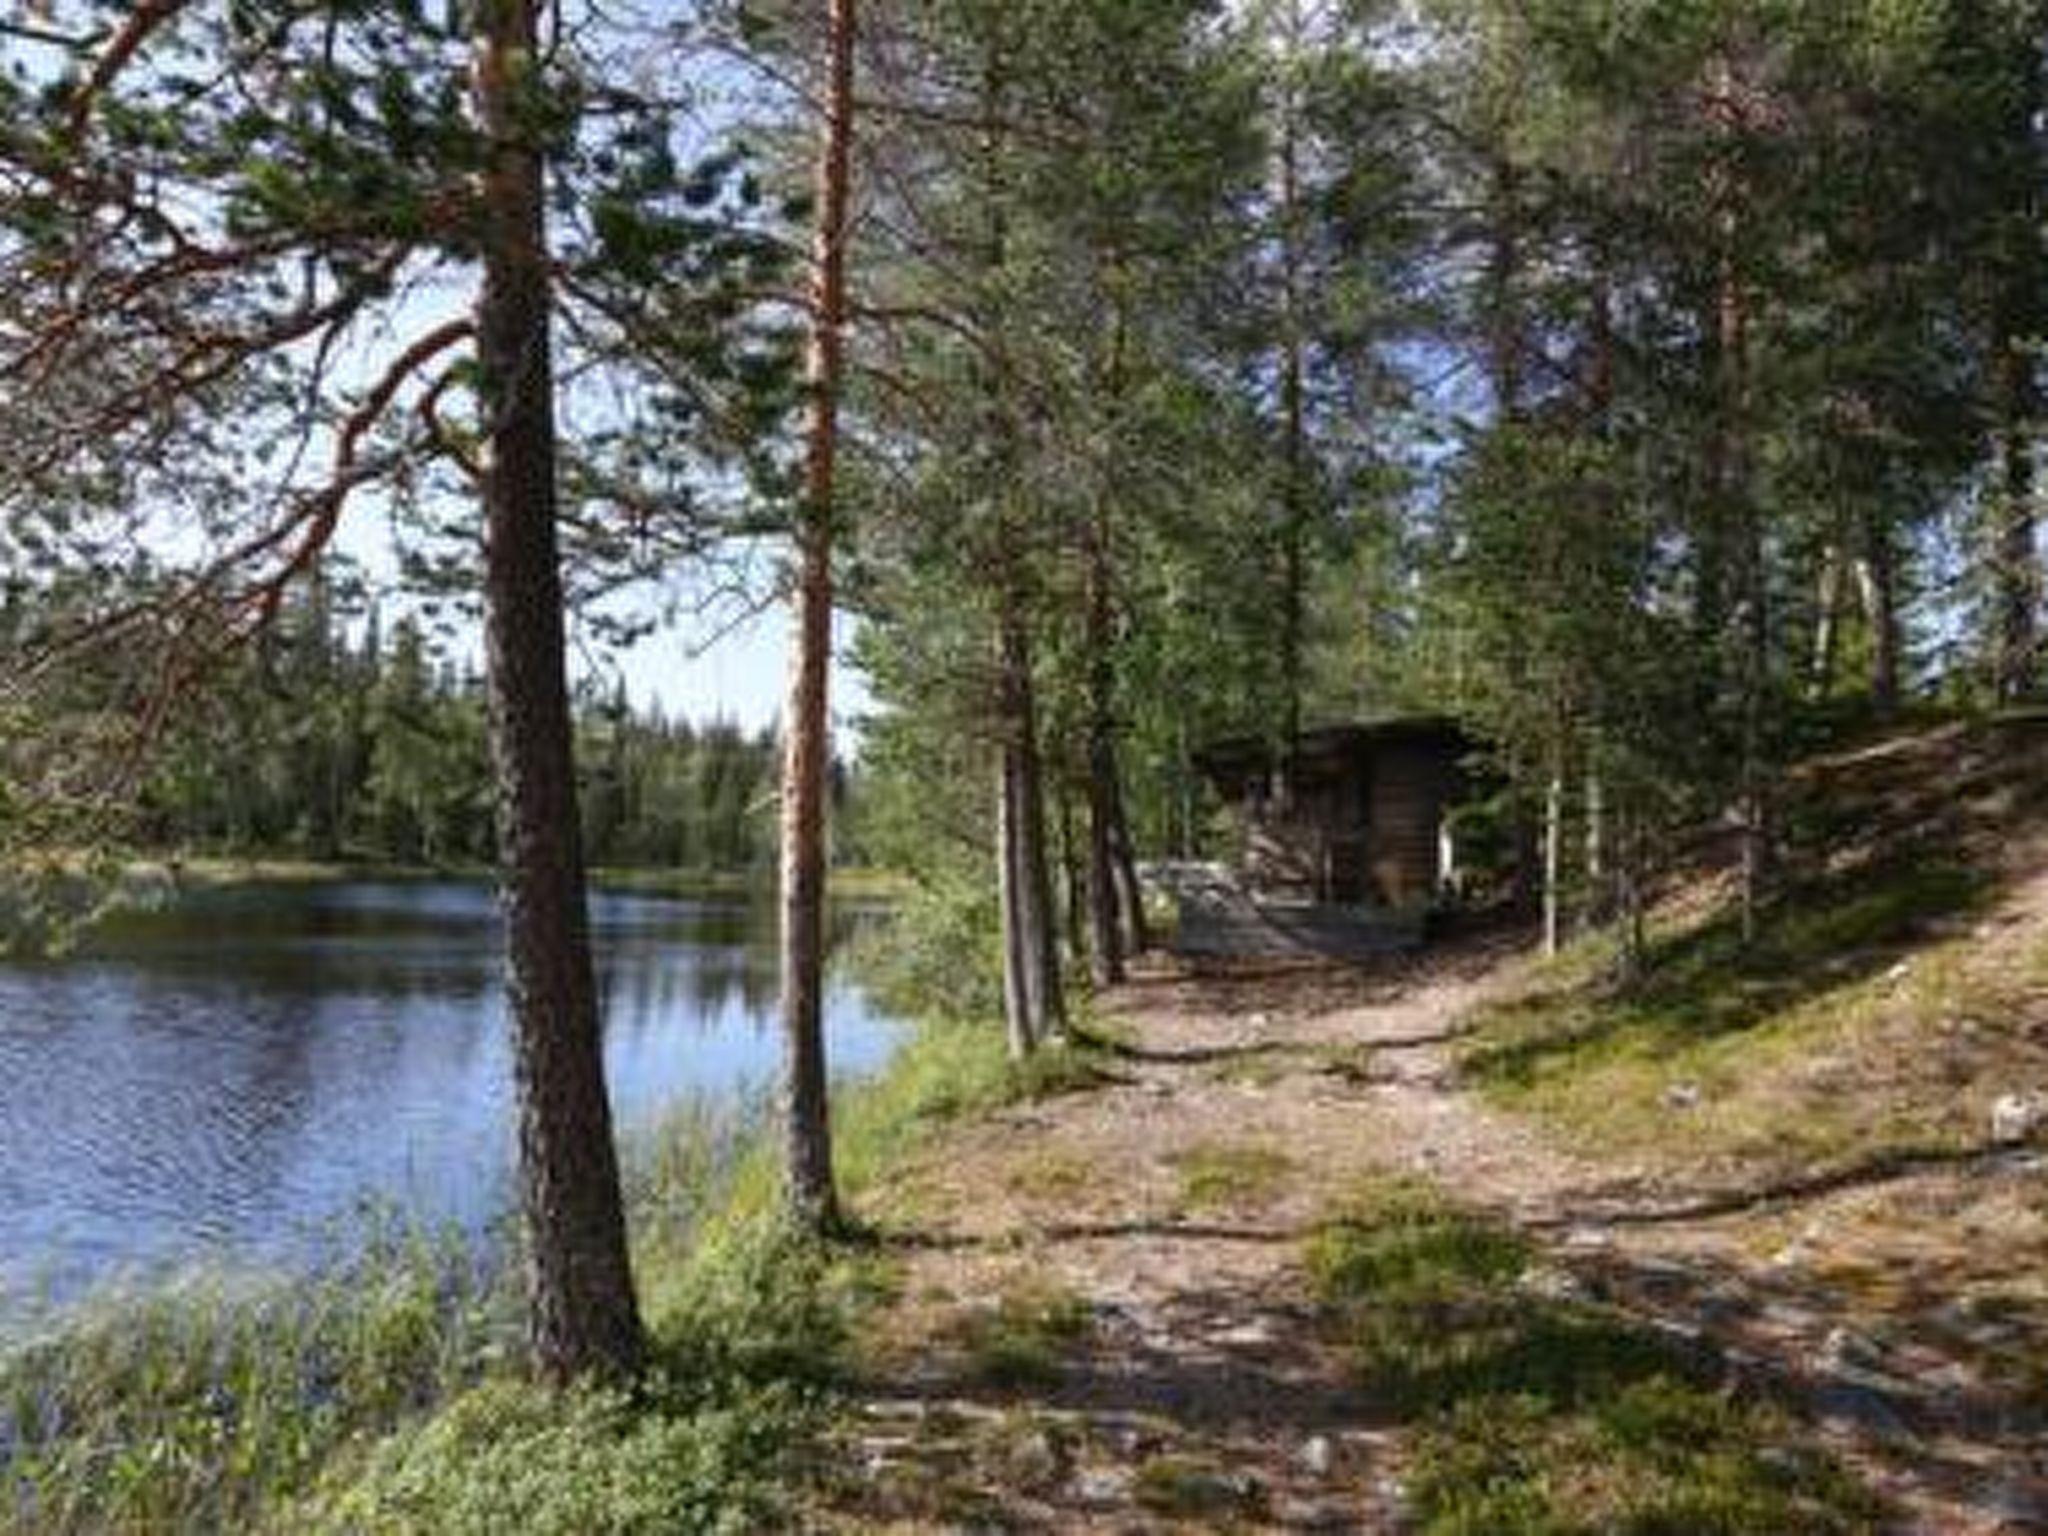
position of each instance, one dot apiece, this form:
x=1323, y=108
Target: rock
x=1900, y=971
x=1260, y=1019
x=1553, y=1284
x=1682, y=1096
x=1312, y=1515
x=1843, y=1347
x=1035, y=1460
x=1869, y=1410
x=2015, y=1117
x=1316, y=1455
x=1102, y=1485
x=1783, y=1318
x=1134, y=1440
x=2016, y=1506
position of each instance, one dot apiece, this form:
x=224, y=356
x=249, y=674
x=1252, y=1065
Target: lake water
x=230, y=1078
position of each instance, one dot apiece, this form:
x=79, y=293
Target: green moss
x=1188, y=1488
x=508, y=1456
x=1655, y=1458
x=1230, y=1175
x=1539, y=1414
x=1736, y=1024
x=1022, y=1340
x=1051, y=1174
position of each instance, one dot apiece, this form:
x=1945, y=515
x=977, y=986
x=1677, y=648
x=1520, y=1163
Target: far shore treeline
x=352, y=738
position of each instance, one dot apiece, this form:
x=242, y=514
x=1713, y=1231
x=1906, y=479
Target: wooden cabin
x=1344, y=853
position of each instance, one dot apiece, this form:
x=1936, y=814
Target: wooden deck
x=1217, y=917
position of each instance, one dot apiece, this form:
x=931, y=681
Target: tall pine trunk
x=1042, y=972
x=2018, y=579
x=1599, y=902
x=1553, y=853
x=582, y=1318
x=2019, y=321
x=1018, y=993
x=1106, y=950
x=1130, y=895
x=1827, y=619
x=811, y=1195
x=1877, y=573
x=1033, y=998
x=1293, y=422
x=1074, y=878
x=1634, y=954
x=1737, y=511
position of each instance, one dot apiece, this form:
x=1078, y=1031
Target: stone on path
x=2015, y=1117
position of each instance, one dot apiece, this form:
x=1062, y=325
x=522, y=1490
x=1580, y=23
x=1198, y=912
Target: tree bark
x=1599, y=905
x=1877, y=574
x=1553, y=856
x=1633, y=944
x=810, y=1191
x=2019, y=577
x=1820, y=681
x=1018, y=1000
x=1736, y=507
x=1042, y=971
x=1074, y=878
x=2018, y=322
x=1106, y=949
x=1031, y=989
x=582, y=1319
x=1293, y=425
x=1130, y=895
x=1503, y=356
x=1106, y=930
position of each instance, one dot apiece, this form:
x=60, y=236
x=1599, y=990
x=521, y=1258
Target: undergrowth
x=1535, y=1412
x=1021, y=1339
x=1838, y=968
x=201, y=1405
x=1221, y=1176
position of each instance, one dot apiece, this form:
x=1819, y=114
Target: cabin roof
x=1331, y=749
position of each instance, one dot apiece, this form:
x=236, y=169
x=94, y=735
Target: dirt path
x=1101, y=1322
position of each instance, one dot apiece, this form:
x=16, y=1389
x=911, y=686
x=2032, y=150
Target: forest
x=1651, y=387
x=310, y=745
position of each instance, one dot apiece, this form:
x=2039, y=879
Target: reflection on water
x=226, y=1077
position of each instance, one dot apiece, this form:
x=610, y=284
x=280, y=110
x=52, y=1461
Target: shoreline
x=211, y=872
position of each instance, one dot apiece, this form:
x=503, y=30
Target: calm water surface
x=230, y=1078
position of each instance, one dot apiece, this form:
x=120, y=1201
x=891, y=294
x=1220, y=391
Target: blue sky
x=739, y=675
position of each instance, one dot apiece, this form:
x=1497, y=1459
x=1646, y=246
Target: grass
x=1355, y=1063
x=1534, y=1414
x=1223, y=1176
x=512, y=1456
x=1250, y=1069
x=1878, y=1012
x=206, y=1405
x=1193, y=1489
x=1756, y=1033
x=1021, y=1340
x=1053, y=1175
